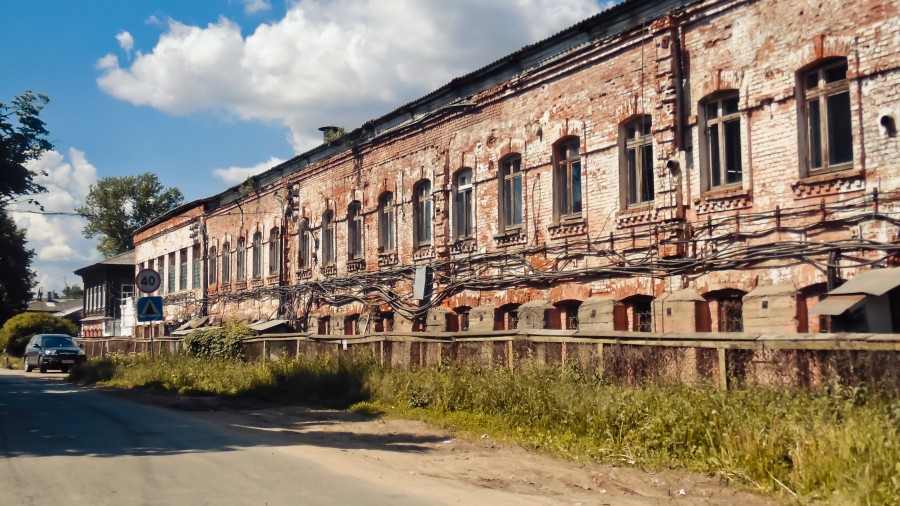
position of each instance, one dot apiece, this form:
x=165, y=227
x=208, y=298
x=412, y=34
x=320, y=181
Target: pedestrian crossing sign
x=149, y=309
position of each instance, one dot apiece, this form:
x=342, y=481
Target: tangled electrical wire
x=714, y=244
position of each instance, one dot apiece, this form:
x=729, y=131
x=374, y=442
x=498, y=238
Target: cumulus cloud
x=254, y=6
x=126, y=42
x=235, y=175
x=330, y=61
x=56, y=238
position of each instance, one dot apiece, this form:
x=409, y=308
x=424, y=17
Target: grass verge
x=838, y=446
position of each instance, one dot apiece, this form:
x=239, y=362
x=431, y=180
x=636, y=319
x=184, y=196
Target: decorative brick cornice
x=570, y=229
x=388, y=259
x=510, y=238
x=423, y=253
x=634, y=216
x=304, y=274
x=256, y=282
x=463, y=246
x=727, y=199
x=830, y=183
x=356, y=265
x=272, y=279
x=329, y=270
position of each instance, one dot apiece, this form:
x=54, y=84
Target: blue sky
x=206, y=92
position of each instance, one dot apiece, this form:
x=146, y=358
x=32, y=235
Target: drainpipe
x=281, y=256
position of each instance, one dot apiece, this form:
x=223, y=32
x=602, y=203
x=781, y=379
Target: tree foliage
x=117, y=206
x=16, y=276
x=16, y=332
x=220, y=343
x=22, y=139
x=73, y=292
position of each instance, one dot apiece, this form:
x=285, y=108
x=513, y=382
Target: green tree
x=22, y=139
x=16, y=332
x=16, y=276
x=117, y=206
x=73, y=292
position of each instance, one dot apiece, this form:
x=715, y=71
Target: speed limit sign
x=148, y=280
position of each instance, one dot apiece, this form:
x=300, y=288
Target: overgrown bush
x=222, y=343
x=16, y=332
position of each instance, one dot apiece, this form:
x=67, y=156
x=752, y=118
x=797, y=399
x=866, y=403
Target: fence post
x=723, y=372
x=600, y=360
x=509, y=354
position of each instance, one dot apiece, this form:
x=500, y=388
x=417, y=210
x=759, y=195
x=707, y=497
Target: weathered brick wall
x=665, y=68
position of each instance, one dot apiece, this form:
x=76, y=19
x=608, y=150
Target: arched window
x=727, y=306
x=825, y=111
x=506, y=317
x=720, y=122
x=241, y=253
x=422, y=213
x=257, y=254
x=274, y=251
x=386, y=240
x=328, y=238
x=510, y=185
x=226, y=262
x=463, y=213
x=354, y=231
x=304, y=260
x=636, y=148
x=212, y=266
x=634, y=313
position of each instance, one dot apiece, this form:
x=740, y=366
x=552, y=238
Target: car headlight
x=49, y=352
x=81, y=352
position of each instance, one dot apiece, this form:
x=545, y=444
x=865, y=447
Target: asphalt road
x=61, y=444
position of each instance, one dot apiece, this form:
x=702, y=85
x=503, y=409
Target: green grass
x=10, y=362
x=838, y=446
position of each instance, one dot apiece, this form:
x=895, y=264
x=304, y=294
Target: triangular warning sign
x=150, y=310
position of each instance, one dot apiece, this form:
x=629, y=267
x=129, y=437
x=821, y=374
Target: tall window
x=257, y=254
x=170, y=274
x=723, y=140
x=160, y=265
x=328, y=238
x=511, y=192
x=303, y=256
x=183, y=270
x=354, y=231
x=274, y=251
x=462, y=204
x=386, y=222
x=226, y=262
x=826, y=97
x=195, y=267
x=422, y=213
x=212, y=267
x=567, y=177
x=241, y=270
x=636, y=144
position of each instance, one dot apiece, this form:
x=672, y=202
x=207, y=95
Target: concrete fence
x=726, y=359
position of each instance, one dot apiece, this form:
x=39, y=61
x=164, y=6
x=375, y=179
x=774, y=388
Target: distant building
x=70, y=309
x=108, y=297
x=664, y=166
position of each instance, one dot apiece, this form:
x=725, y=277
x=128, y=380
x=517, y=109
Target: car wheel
x=25, y=365
x=41, y=365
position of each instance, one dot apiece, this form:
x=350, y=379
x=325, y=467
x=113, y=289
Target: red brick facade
x=698, y=170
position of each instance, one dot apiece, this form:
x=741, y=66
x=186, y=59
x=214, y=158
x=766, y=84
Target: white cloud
x=126, y=41
x=235, y=175
x=56, y=239
x=330, y=61
x=254, y=6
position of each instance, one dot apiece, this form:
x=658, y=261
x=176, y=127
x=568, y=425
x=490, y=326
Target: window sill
x=830, y=183
x=304, y=274
x=356, y=265
x=423, y=252
x=724, y=198
x=240, y=285
x=567, y=229
x=256, y=282
x=272, y=279
x=510, y=237
x=637, y=215
x=329, y=270
x=387, y=259
x=466, y=245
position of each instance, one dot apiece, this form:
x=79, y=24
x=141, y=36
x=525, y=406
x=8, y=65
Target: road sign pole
x=152, y=331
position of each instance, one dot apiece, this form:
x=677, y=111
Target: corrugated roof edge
x=615, y=20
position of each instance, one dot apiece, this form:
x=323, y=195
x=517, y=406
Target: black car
x=52, y=351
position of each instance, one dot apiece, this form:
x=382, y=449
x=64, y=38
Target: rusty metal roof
x=835, y=305
x=873, y=282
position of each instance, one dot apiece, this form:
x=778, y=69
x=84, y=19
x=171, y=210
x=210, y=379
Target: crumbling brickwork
x=663, y=166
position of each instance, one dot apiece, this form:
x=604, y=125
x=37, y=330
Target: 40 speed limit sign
x=148, y=280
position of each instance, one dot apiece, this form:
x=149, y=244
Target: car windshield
x=57, y=341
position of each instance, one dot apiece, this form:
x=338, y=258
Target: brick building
x=667, y=166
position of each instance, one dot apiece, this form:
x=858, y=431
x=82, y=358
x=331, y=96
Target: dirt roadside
x=453, y=469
